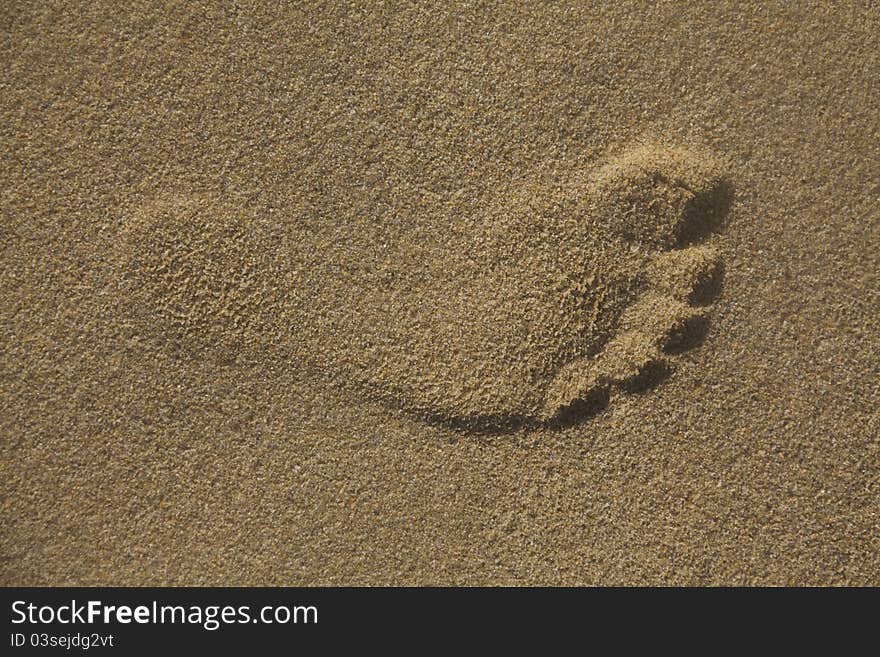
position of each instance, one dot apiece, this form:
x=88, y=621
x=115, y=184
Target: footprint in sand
x=530, y=311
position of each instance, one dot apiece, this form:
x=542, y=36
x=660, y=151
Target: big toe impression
x=663, y=197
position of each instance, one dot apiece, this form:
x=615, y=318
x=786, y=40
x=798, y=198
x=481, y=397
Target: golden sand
x=465, y=294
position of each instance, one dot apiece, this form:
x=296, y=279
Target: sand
x=473, y=294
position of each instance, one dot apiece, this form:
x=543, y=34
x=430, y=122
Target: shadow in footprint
x=705, y=214
x=690, y=335
x=582, y=409
x=485, y=425
x=652, y=375
x=577, y=412
x=707, y=290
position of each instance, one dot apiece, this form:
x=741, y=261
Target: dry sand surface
x=433, y=293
